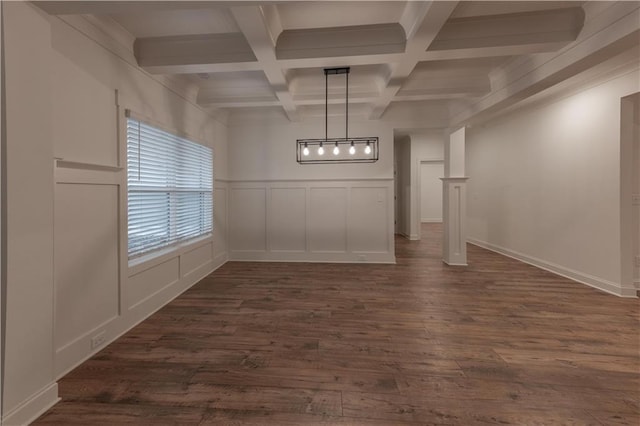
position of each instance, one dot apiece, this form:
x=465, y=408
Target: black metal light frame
x=372, y=142
x=343, y=143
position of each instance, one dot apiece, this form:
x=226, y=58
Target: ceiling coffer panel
x=546, y=26
x=193, y=49
x=341, y=41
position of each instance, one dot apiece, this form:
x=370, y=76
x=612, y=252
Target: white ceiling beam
x=261, y=27
x=548, y=26
x=610, y=33
x=236, y=102
x=435, y=55
x=491, y=51
x=339, y=61
x=202, y=68
x=428, y=20
x=116, y=7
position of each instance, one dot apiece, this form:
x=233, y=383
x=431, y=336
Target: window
x=169, y=188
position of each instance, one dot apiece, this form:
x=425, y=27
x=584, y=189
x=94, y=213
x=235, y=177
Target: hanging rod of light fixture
x=345, y=150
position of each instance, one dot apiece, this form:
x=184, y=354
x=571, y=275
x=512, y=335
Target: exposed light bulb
x=305, y=150
x=352, y=149
x=336, y=150
x=320, y=150
x=367, y=149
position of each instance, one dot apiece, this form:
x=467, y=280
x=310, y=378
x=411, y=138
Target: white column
x=454, y=214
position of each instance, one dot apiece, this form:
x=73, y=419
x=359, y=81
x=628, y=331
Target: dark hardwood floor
x=498, y=342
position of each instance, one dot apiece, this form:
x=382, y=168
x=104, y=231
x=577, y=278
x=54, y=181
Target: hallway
x=498, y=342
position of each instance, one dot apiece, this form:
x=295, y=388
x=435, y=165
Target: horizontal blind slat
x=170, y=184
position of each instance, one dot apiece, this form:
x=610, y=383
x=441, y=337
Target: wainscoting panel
x=312, y=221
x=287, y=224
x=86, y=259
x=220, y=224
x=368, y=219
x=85, y=119
x=150, y=281
x=195, y=259
x=248, y=219
x=328, y=220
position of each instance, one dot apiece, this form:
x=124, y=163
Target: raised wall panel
x=84, y=117
x=192, y=260
x=287, y=230
x=150, y=281
x=86, y=259
x=328, y=219
x=219, y=221
x=247, y=224
x=368, y=220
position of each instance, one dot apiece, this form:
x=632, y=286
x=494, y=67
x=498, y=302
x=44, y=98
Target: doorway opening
x=418, y=167
x=429, y=190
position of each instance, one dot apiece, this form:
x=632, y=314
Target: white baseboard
x=411, y=237
x=427, y=220
x=33, y=407
x=315, y=257
x=590, y=280
x=455, y=263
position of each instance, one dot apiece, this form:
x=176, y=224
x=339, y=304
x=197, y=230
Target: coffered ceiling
x=251, y=54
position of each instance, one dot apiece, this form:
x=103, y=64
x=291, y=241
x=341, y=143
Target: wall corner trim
x=29, y=410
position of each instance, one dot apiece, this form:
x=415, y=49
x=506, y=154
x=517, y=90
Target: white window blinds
x=169, y=187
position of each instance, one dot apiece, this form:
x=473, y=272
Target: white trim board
x=595, y=282
x=33, y=407
x=312, y=257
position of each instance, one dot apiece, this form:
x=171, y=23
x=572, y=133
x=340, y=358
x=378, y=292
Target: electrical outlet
x=637, y=261
x=362, y=257
x=635, y=199
x=98, y=340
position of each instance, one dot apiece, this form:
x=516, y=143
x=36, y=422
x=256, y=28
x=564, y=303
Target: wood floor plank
x=310, y=378
x=96, y=413
x=419, y=342
x=444, y=411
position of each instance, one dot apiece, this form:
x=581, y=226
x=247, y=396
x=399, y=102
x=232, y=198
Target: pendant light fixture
x=356, y=150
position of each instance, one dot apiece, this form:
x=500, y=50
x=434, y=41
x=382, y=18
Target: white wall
x=29, y=368
x=2, y=207
x=630, y=188
x=545, y=184
x=69, y=279
x=282, y=210
x=636, y=189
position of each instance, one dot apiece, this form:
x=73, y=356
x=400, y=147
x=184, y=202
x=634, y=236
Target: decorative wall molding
x=590, y=280
x=284, y=181
x=33, y=407
x=312, y=221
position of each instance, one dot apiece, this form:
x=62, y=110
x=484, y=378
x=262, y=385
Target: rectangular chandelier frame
x=365, y=150
x=337, y=150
